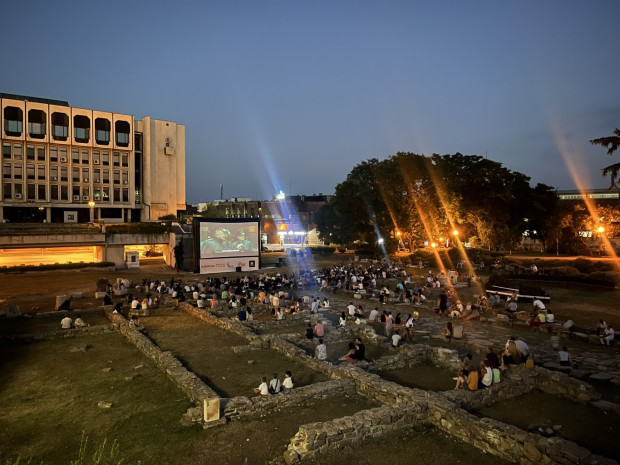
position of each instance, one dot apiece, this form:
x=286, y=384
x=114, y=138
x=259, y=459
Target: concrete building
x=65, y=164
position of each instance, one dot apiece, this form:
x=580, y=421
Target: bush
x=322, y=250
x=367, y=250
x=563, y=271
x=605, y=278
x=590, y=266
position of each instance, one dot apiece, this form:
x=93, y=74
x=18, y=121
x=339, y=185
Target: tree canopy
x=612, y=143
x=426, y=198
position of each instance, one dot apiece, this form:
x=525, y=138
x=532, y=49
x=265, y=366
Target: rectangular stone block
x=212, y=409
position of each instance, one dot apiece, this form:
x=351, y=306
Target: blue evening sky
x=292, y=94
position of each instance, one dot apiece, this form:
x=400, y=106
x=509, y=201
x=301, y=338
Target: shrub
x=367, y=250
x=322, y=250
x=605, y=278
x=563, y=271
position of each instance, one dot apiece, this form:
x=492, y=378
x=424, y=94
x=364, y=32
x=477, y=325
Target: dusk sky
x=292, y=95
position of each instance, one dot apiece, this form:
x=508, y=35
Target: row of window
x=82, y=127
x=61, y=173
x=63, y=193
x=83, y=156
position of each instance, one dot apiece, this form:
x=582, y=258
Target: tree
x=612, y=143
x=425, y=198
x=212, y=212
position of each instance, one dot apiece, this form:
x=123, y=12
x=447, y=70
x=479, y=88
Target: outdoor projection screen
x=226, y=244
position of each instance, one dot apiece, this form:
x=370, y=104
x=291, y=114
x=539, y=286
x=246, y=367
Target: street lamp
x=455, y=232
x=601, y=230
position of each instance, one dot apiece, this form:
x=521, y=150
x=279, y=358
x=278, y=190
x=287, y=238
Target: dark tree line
x=425, y=198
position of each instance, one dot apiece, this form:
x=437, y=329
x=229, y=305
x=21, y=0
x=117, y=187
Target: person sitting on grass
x=262, y=388
x=287, y=384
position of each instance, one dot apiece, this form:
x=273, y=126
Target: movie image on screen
x=229, y=239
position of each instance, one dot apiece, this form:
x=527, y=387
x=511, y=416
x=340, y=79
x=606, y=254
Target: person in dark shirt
x=360, y=350
x=309, y=331
x=242, y=315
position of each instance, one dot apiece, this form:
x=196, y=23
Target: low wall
x=506, y=441
x=252, y=407
x=315, y=439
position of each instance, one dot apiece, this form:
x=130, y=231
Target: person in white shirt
x=134, y=304
x=396, y=339
x=287, y=384
x=373, y=315
x=66, y=323
x=321, y=351
x=486, y=376
x=262, y=388
x=608, y=336
x=351, y=309
x=79, y=323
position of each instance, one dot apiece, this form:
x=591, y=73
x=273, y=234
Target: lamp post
x=91, y=204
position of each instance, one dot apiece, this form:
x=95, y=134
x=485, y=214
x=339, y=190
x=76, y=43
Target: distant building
x=600, y=196
x=285, y=221
x=66, y=164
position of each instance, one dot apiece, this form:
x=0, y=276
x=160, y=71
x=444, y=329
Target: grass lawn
x=208, y=351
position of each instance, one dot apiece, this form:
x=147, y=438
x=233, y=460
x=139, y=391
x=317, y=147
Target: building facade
x=65, y=164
